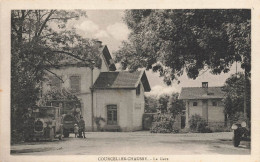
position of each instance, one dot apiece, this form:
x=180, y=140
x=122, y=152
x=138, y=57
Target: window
x=75, y=84
x=214, y=103
x=111, y=114
x=138, y=90
x=195, y=103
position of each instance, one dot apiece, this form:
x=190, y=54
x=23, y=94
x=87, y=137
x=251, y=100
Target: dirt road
x=135, y=143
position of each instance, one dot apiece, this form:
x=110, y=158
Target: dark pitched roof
x=108, y=57
x=121, y=79
x=201, y=93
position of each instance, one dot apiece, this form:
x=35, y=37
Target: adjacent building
x=204, y=101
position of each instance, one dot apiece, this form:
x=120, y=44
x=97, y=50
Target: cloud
x=159, y=90
x=101, y=34
x=88, y=26
x=119, y=31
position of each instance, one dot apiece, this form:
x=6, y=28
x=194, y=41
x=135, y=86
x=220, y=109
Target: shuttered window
x=75, y=84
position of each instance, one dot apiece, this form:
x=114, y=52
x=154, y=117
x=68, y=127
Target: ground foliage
x=175, y=106
x=198, y=124
x=162, y=123
x=172, y=42
x=164, y=103
x=151, y=104
x=40, y=40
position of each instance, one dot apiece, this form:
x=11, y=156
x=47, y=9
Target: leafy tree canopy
x=235, y=93
x=172, y=42
x=40, y=40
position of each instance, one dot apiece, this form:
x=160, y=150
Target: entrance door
x=183, y=119
x=205, y=109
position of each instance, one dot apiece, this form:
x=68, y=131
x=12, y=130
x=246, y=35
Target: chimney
x=204, y=84
x=205, y=87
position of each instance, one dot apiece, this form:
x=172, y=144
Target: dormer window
x=138, y=89
x=204, y=84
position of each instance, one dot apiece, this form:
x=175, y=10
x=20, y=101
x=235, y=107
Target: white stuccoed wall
x=138, y=109
x=216, y=113
x=85, y=84
x=122, y=98
x=129, y=118
x=195, y=109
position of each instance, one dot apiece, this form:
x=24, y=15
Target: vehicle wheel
x=60, y=137
x=236, y=140
x=66, y=133
x=51, y=134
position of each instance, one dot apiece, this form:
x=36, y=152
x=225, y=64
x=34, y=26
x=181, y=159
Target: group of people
x=79, y=129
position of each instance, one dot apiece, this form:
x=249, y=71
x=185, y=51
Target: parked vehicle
x=241, y=132
x=47, y=123
x=68, y=121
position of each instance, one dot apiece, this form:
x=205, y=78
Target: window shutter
x=75, y=84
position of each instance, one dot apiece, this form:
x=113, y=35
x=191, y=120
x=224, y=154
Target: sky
x=108, y=26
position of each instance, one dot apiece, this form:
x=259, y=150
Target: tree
x=172, y=42
x=163, y=102
x=175, y=106
x=40, y=40
x=151, y=104
x=234, y=101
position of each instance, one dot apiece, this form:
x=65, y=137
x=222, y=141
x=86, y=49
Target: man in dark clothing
x=28, y=127
x=81, y=127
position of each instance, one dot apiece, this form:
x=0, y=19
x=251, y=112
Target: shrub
x=97, y=121
x=147, y=120
x=220, y=129
x=163, y=123
x=161, y=127
x=198, y=124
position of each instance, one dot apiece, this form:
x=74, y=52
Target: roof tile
x=119, y=79
x=201, y=93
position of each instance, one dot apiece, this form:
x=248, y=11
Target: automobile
x=68, y=121
x=47, y=123
x=241, y=132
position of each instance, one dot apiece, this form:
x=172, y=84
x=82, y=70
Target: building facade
x=115, y=103
x=204, y=101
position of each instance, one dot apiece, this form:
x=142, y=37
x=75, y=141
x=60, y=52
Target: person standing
x=81, y=127
x=76, y=130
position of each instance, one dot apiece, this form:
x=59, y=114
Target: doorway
x=205, y=109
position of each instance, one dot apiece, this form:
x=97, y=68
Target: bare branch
x=44, y=23
x=60, y=18
x=28, y=12
x=72, y=55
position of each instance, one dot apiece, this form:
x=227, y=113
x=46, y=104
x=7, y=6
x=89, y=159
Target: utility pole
x=245, y=95
x=92, y=100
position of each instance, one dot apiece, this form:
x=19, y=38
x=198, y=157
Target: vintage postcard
x=129, y=81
